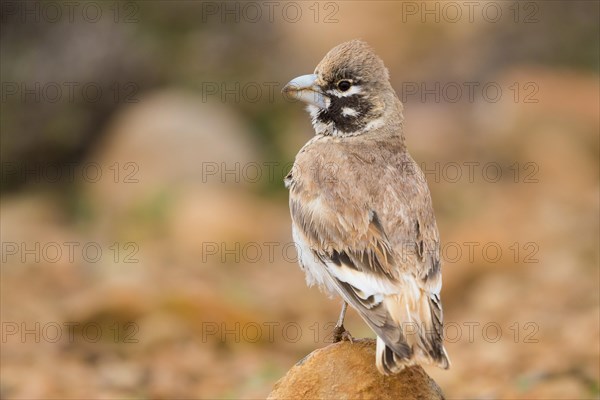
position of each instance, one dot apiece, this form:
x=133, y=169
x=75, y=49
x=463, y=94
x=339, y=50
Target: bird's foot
x=340, y=333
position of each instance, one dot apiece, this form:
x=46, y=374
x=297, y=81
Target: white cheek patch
x=353, y=90
x=349, y=112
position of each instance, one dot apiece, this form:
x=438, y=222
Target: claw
x=340, y=333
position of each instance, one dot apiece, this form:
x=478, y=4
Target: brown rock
x=347, y=370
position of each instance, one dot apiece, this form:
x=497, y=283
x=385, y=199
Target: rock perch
x=347, y=370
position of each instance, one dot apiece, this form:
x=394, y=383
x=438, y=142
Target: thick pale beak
x=304, y=88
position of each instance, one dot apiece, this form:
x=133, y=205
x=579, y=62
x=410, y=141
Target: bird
x=362, y=215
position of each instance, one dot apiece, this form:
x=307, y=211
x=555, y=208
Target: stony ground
x=171, y=274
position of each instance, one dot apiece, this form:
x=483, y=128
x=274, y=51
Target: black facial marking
x=346, y=123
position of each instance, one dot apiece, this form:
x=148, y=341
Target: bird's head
x=349, y=92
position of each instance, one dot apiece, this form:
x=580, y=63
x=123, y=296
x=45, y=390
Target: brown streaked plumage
x=362, y=217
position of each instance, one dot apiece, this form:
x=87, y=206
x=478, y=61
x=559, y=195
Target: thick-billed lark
x=362, y=218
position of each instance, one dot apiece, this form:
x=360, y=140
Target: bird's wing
x=393, y=282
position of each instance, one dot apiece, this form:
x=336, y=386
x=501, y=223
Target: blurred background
x=146, y=246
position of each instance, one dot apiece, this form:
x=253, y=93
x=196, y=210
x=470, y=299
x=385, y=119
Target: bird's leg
x=339, y=332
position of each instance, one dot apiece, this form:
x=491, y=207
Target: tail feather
x=409, y=325
x=420, y=324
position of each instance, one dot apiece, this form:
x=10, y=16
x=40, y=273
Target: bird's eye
x=344, y=85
